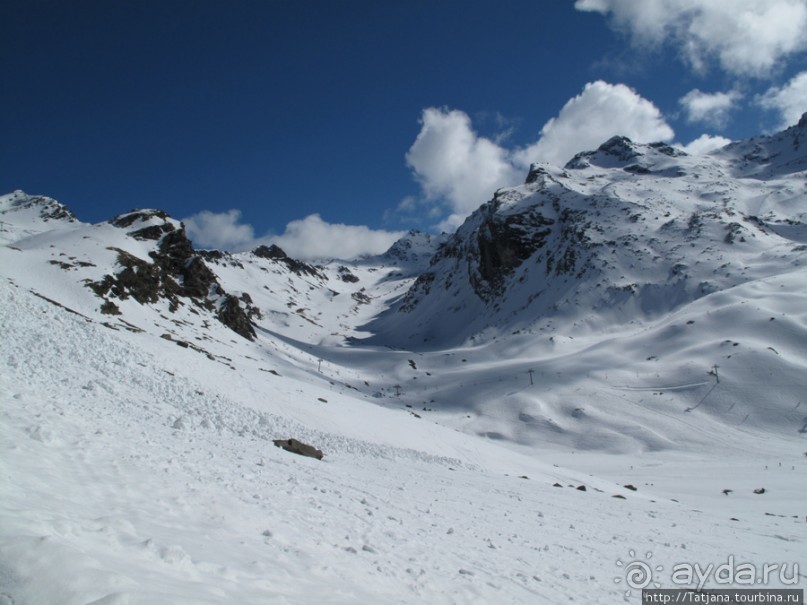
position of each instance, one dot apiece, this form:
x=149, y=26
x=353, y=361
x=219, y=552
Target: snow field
x=129, y=481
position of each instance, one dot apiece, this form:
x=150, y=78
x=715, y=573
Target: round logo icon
x=637, y=574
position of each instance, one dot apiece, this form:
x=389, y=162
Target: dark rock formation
x=275, y=253
x=298, y=447
x=346, y=275
x=232, y=315
x=176, y=272
x=502, y=244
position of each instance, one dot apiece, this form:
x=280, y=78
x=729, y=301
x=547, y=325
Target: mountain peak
x=23, y=215
x=46, y=208
x=414, y=250
x=148, y=224
x=621, y=152
x=277, y=254
x=273, y=252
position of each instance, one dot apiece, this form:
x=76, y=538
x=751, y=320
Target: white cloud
x=407, y=204
x=586, y=121
x=456, y=166
x=709, y=108
x=704, y=144
x=309, y=238
x=790, y=100
x=313, y=238
x=453, y=163
x=220, y=231
x=746, y=37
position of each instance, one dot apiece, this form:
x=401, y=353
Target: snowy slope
x=138, y=472
x=637, y=318
x=22, y=215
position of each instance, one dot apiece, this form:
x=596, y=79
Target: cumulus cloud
x=313, y=238
x=790, y=100
x=709, y=108
x=704, y=144
x=453, y=163
x=586, y=121
x=457, y=167
x=746, y=37
x=307, y=239
x=219, y=230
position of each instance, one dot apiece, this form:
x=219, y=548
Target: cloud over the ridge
x=746, y=37
x=789, y=100
x=308, y=238
x=586, y=121
x=709, y=108
x=312, y=238
x=219, y=230
x=454, y=164
x=705, y=143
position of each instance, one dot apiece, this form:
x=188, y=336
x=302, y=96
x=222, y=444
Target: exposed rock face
x=275, y=253
x=42, y=209
x=137, y=278
x=176, y=272
x=53, y=210
x=502, y=243
x=271, y=252
x=232, y=315
x=499, y=237
x=127, y=219
x=346, y=275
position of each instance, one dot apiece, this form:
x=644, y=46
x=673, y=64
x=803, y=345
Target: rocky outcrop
x=232, y=315
x=501, y=244
x=175, y=273
x=45, y=208
x=276, y=254
x=346, y=275
x=499, y=238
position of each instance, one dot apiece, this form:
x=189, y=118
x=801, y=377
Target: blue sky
x=330, y=126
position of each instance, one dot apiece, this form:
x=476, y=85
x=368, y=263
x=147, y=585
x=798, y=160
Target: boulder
x=298, y=447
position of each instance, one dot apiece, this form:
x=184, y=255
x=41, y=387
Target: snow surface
x=136, y=454
x=134, y=475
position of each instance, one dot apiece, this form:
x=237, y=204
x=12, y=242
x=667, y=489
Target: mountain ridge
x=604, y=360
x=619, y=221
x=639, y=247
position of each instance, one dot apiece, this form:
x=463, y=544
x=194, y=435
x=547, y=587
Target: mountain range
x=637, y=317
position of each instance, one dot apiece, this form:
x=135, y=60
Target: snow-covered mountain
x=679, y=263
x=622, y=233
x=517, y=412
